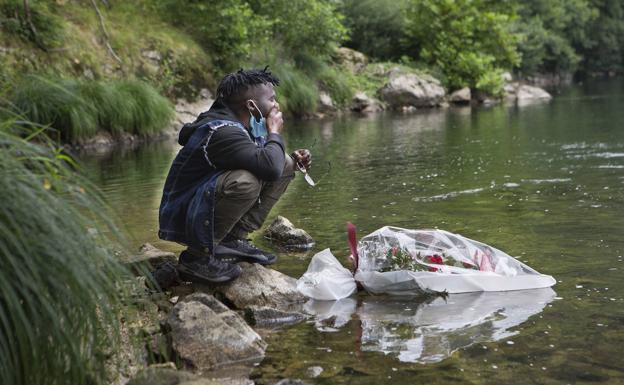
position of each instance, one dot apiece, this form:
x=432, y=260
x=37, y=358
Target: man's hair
x=236, y=83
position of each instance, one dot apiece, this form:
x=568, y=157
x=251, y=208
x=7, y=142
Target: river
x=542, y=182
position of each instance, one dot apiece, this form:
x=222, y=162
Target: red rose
x=393, y=251
x=437, y=259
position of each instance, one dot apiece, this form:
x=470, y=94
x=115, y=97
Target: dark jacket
x=215, y=142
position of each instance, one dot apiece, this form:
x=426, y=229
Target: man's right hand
x=275, y=122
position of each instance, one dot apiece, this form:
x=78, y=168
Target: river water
x=542, y=182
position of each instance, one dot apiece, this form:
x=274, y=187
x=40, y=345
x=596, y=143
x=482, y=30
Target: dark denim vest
x=187, y=206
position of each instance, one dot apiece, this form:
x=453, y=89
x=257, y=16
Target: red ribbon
x=351, y=229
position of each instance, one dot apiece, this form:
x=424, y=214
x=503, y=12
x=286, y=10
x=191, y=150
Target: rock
x=152, y=55
x=523, y=94
x=351, y=59
x=206, y=334
x=284, y=233
x=411, y=90
x=462, y=96
x=364, y=104
x=325, y=103
x=290, y=381
x=267, y=316
x=262, y=287
x=169, y=376
x=152, y=255
x=187, y=112
x=526, y=92
x=507, y=77
x=314, y=371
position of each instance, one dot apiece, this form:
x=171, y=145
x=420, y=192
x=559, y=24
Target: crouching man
x=230, y=172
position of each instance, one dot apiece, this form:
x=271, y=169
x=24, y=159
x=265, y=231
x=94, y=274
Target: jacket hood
x=218, y=111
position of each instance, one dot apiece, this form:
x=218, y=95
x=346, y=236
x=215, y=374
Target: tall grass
x=78, y=109
x=58, y=279
x=297, y=93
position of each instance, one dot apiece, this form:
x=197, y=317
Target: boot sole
x=238, y=258
x=190, y=276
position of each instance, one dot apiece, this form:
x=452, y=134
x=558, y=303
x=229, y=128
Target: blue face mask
x=258, y=127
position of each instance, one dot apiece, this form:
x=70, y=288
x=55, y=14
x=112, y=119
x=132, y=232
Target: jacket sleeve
x=231, y=148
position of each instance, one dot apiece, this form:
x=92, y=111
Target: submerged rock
x=291, y=381
x=152, y=255
x=284, y=233
x=267, y=316
x=259, y=286
x=206, y=334
x=169, y=376
x=412, y=90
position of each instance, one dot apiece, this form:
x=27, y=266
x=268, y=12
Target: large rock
x=412, y=90
x=523, y=94
x=365, y=104
x=284, y=233
x=259, y=286
x=206, y=334
x=351, y=59
x=526, y=92
x=462, y=96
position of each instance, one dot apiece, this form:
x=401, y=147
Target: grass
x=297, y=92
x=59, y=296
x=78, y=109
x=70, y=44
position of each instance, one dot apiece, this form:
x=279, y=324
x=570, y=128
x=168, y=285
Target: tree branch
x=105, y=32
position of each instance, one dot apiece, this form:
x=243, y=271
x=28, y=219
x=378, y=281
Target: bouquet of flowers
x=393, y=259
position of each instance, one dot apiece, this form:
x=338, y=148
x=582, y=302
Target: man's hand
x=303, y=157
x=274, y=120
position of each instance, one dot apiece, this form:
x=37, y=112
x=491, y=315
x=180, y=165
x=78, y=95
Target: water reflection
x=429, y=332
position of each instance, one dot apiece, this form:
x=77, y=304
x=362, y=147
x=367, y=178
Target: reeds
x=59, y=277
x=78, y=109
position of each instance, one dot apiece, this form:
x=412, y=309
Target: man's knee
x=239, y=184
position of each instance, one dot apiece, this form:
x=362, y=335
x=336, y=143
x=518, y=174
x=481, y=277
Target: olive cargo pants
x=243, y=201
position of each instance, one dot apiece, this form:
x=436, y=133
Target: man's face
x=264, y=97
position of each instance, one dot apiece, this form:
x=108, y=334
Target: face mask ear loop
x=257, y=109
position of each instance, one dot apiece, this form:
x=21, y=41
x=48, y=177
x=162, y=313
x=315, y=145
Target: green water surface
x=542, y=182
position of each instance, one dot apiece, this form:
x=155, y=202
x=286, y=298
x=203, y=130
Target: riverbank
x=93, y=45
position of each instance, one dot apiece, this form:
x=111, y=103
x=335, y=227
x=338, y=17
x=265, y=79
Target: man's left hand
x=303, y=157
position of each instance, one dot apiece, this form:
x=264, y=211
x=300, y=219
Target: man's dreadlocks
x=236, y=83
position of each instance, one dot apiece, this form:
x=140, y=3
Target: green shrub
x=464, y=39
x=77, y=109
x=59, y=299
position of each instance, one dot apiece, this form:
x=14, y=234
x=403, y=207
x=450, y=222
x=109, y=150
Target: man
x=227, y=177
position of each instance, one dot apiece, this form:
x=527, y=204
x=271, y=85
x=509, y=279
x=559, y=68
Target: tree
x=469, y=41
x=554, y=33
x=376, y=27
